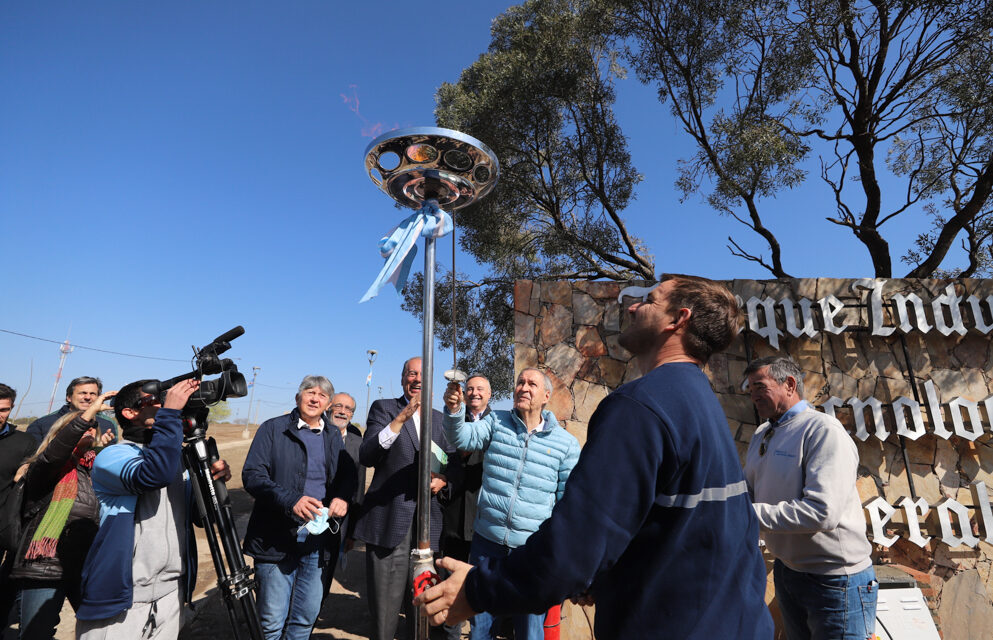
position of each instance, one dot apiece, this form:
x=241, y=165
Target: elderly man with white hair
x=526, y=461
x=300, y=476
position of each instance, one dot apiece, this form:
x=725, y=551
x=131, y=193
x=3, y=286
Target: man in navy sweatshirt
x=655, y=525
x=142, y=564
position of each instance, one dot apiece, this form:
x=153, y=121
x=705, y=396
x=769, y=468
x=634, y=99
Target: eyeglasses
x=339, y=406
x=146, y=401
x=766, y=437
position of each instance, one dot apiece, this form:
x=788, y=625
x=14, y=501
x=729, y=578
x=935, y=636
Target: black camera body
x=230, y=384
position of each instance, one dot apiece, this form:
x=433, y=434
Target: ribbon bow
x=400, y=246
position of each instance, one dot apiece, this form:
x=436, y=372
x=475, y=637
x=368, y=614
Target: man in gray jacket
x=800, y=469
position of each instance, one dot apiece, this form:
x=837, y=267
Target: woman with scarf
x=60, y=515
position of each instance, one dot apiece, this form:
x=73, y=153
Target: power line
x=79, y=346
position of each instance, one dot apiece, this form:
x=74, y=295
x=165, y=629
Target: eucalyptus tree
x=881, y=109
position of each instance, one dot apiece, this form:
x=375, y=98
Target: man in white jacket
x=801, y=468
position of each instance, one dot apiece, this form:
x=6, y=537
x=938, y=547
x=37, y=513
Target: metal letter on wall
x=981, y=500
x=880, y=513
x=858, y=406
x=975, y=420
x=901, y=407
x=901, y=300
x=831, y=306
x=915, y=510
x=977, y=313
x=946, y=508
x=875, y=304
x=808, y=319
x=934, y=411
x=834, y=402
x=950, y=301
x=769, y=330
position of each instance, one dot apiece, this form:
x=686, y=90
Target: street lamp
x=368, y=381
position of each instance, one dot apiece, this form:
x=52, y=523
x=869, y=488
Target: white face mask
x=319, y=525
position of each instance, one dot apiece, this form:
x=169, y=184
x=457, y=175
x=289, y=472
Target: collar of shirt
x=303, y=425
x=6, y=428
x=541, y=421
x=792, y=411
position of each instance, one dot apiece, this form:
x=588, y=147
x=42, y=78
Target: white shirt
x=303, y=425
x=387, y=437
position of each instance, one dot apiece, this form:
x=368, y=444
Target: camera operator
x=143, y=561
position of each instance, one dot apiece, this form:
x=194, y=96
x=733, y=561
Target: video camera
x=231, y=383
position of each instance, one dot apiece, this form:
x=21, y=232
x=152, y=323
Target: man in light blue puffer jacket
x=526, y=462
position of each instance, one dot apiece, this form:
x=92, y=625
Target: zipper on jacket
x=517, y=484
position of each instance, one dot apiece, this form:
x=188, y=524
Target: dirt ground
x=345, y=614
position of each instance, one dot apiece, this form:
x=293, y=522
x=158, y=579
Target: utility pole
x=255, y=374
x=64, y=350
x=368, y=381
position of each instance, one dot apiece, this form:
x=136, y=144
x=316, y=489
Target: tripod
x=234, y=578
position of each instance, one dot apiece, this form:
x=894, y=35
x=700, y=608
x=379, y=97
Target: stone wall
x=570, y=329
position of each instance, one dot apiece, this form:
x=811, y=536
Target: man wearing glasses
x=341, y=412
x=801, y=468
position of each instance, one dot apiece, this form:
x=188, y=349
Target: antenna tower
x=64, y=350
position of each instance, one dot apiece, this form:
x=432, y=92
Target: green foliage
x=219, y=412
x=484, y=321
x=759, y=83
x=542, y=98
x=874, y=87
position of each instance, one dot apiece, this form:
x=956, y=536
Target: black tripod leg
x=215, y=513
x=243, y=585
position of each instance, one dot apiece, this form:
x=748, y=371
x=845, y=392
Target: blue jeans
x=482, y=625
x=820, y=607
x=41, y=604
x=289, y=596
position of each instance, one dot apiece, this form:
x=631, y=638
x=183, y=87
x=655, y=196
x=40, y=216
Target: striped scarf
x=46, y=536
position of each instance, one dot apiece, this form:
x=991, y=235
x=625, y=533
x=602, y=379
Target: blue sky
x=171, y=170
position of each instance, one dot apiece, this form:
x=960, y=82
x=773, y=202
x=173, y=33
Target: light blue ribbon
x=400, y=246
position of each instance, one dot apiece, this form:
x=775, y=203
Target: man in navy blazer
x=391, y=446
x=297, y=466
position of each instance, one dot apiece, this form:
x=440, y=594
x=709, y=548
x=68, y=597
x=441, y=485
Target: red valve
x=425, y=580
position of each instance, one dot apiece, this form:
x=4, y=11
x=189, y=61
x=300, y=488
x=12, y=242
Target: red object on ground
x=552, y=620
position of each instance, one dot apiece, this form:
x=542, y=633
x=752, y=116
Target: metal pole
x=424, y=461
x=455, y=333
x=251, y=396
